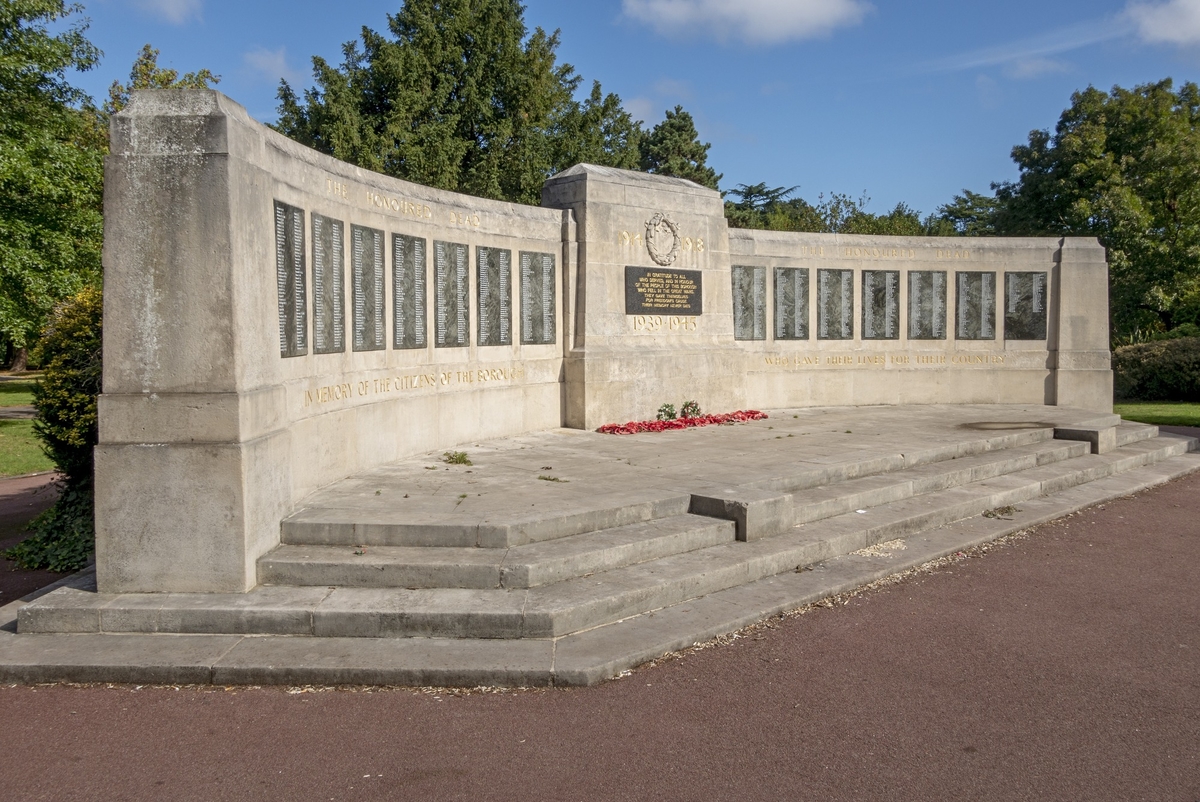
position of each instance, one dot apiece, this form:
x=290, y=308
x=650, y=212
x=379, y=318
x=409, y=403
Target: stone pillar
x=1082, y=361
x=190, y=483
x=622, y=366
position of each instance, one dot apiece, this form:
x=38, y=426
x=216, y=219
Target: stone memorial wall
x=537, y=298
x=927, y=304
x=227, y=247
x=409, y=321
x=791, y=303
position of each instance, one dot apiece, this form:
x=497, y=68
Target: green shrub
x=64, y=536
x=70, y=351
x=1164, y=370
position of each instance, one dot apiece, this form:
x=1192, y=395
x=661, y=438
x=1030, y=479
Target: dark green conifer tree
x=673, y=147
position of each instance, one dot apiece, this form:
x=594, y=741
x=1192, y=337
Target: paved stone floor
x=1062, y=666
x=596, y=471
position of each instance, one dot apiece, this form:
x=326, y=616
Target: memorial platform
x=565, y=557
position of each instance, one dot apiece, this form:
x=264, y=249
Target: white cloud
x=757, y=21
x=663, y=94
x=669, y=87
x=272, y=65
x=988, y=92
x=176, y=12
x=1034, y=67
x=642, y=108
x=1175, y=22
x=1034, y=53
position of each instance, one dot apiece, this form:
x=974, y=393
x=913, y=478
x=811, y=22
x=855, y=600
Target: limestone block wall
x=237, y=380
x=788, y=319
x=1048, y=349
x=276, y=320
x=623, y=364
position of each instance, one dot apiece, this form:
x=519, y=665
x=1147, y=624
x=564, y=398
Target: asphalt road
x=1061, y=666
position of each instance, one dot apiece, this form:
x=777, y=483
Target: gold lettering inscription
x=662, y=290
x=634, y=239
x=330, y=392
x=851, y=252
x=976, y=359
x=406, y=382
x=336, y=188
x=953, y=254
x=876, y=360
x=400, y=206
x=654, y=323
x=464, y=219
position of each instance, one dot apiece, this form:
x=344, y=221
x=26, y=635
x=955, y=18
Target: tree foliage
x=763, y=207
x=146, y=74
x=52, y=145
x=1164, y=370
x=51, y=169
x=457, y=95
x=70, y=351
x=673, y=147
x=970, y=214
x=1123, y=166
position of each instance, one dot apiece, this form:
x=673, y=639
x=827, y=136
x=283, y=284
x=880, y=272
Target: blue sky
x=908, y=101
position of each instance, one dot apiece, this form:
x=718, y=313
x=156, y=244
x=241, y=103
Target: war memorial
x=348, y=425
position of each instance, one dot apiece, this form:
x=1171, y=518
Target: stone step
x=368, y=520
x=573, y=605
x=1130, y=432
x=563, y=558
x=762, y=513
x=526, y=566
x=988, y=441
x=347, y=527
x=579, y=659
x=374, y=523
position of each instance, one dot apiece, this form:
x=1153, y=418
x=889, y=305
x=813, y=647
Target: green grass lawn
x=16, y=393
x=1164, y=413
x=20, y=451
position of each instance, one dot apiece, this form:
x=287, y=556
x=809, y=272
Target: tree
x=70, y=352
x=969, y=214
x=70, y=344
x=458, y=97
x=1123, y=166
x=772, y=209
x=52, y=146
x=598, y=131
x=673, y=147
x=146, y=74
x=755, y=202
x=901, y=221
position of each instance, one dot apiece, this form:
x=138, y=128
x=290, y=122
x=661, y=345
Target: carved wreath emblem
x=662, y=239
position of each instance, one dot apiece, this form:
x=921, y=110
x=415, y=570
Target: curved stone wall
x=276, y=320
x=236, y=382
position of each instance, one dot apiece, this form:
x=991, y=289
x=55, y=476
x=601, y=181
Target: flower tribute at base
x=634, y=427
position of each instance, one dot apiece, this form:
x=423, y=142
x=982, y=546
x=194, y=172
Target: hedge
x=64, y=536
x=1165, y=370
